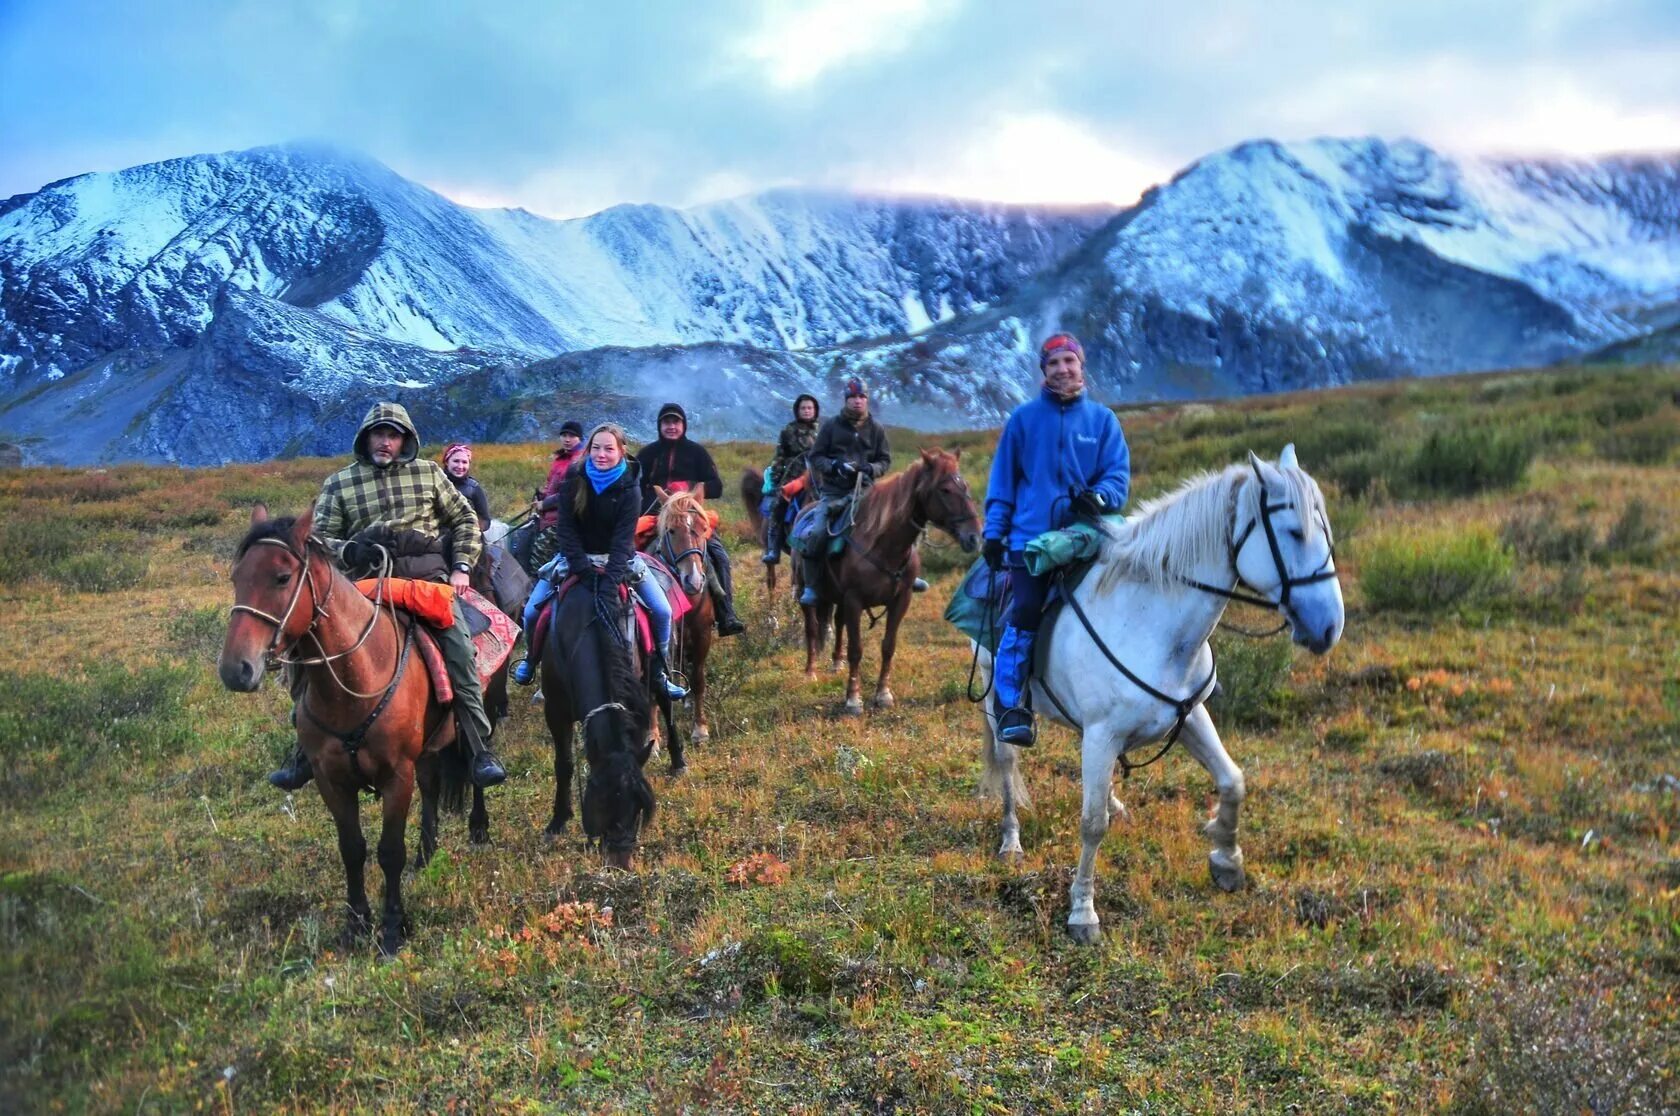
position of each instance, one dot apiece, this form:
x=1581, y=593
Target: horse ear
x=259, y=513
x=660, y=492
x=1286, y=459
x=1254, y=460
x=956, y=454
x=930, y=455
x=303, y=528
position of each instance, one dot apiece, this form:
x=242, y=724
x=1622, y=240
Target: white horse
x=1149, y=606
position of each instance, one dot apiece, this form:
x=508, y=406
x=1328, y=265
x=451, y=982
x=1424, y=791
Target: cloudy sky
x=566, y=108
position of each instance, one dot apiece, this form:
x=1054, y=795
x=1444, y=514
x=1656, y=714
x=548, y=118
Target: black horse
x=588, y=676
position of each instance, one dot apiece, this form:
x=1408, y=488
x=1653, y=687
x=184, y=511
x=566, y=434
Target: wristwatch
x=463, y=567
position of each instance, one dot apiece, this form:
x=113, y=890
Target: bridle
x=674, y=558
x=276, y=654
x=1286, y=583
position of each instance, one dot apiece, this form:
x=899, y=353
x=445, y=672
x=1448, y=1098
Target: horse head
x=1284, y=549
x=683, y=529
x=941, y=497
x=276, y=595
x=618, y=802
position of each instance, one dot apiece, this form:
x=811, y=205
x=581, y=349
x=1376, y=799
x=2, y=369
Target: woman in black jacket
x=596, y=528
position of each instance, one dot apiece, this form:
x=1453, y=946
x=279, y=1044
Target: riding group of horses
x=1145, y=596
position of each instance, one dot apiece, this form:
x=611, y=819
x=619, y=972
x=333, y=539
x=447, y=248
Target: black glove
x=846, y=470
x=994, y=553
x=1090, y=504
x=358, y=555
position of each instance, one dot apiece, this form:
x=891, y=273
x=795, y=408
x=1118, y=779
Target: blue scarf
x=601, y=478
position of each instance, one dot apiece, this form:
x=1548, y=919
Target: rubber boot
x=920, y=585
x=773, y=534
x=1009, y=679
x=294, y=773
x=813, y=577
x=723, y=598
x=661, y=670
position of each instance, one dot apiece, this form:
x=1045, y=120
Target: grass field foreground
x=1462, y=831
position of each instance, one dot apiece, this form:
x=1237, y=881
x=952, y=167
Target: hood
x=393, y=414
x=671, y=409
x=816, y=415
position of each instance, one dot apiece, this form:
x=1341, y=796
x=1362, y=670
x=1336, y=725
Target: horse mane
x=268, y=529
x=1174, y=535
x=677, y=508
x=888, y=500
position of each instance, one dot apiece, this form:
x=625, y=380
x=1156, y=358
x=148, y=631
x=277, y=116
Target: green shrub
x=59, y=725
x=197, y=635
x=1647, y=442
x=1355, y=474
x=1467, y=460
x=1252, y=674
x=100, y=571
x=1435, y=571
x=1633, y=537
x=31, y=543
x=1538, y=537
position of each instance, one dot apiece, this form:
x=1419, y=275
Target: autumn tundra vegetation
x=1462, y=830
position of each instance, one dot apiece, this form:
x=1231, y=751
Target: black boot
x=487, y=770
x=723, y=596
x=294, y=773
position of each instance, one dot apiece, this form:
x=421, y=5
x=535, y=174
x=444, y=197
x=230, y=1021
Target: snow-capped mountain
x=242, y=305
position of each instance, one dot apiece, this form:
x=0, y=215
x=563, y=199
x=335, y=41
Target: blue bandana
x=601, y=478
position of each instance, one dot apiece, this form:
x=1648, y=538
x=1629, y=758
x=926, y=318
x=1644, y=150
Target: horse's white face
x=1313, y=608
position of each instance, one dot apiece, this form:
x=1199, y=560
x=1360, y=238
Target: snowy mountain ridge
x=158, y=305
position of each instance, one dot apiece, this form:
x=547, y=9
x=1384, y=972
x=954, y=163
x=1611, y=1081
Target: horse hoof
x=554, y=831
x=853, y=707
x=884, y=700
x=479, y=836
x=389, y=946
x=679, y=770
x=701, y=734
x=1012, y=853
x=1227, y=872
x=1085, y=933
x=810, y=676
x=836, y=667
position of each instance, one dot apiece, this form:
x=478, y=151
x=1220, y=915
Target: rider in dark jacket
x=850, y=452
x=795, y=442
x=678, y=464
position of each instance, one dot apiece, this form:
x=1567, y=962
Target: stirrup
x=771, y=556
x=1015, y=726
x=525, y=672
x=919, y=585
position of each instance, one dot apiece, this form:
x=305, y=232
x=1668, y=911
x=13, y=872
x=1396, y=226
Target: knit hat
x=572, y=427
x=854, y=386
x=1058, y=342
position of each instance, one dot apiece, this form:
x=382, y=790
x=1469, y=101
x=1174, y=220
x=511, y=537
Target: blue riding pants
x=653, y=597
x=1029, y=593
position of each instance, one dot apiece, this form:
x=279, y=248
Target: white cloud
x=1030, y=157
x=796, y=44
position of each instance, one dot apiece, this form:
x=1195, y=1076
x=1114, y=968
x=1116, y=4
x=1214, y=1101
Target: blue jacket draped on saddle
x=1050, y=451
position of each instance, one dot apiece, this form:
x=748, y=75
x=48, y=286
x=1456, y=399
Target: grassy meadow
x=1462, y=830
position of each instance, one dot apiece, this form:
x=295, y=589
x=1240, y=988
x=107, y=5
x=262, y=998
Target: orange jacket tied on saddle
x=431, y=601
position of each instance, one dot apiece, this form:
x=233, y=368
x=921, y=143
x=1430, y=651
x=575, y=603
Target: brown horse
x=388, y=733
x=881, y=561
x=681, y=544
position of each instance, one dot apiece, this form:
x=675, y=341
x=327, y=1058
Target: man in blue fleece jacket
x=1061, y=456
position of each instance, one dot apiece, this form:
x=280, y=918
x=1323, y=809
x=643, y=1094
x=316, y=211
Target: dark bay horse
x=388, y=734
x=588, y=676
x=681, y=545
x=881, y=561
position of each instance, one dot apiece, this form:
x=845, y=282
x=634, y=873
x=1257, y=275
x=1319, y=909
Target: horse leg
x=839, y=636
x=854, y=657
x=889, y=641
x=699, y=646
x=1201, y=740
x=393, y=854
x=427, y=777
x=1001, y=777
x=561, y=731
x=814, y=633
x=352, y=849
x=1099, y=753
x=478, y=822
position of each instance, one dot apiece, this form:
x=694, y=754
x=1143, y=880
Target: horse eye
x=1299, y=535
x=282, y=578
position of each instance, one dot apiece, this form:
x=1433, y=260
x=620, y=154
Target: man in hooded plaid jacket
x=389, y=498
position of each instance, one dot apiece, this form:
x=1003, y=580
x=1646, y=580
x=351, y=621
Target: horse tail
x=997, y=776
x=454, y=765
x=752, y=490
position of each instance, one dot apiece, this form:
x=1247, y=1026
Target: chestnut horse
x=881, y=561
x=684, y=527
x=293, y=606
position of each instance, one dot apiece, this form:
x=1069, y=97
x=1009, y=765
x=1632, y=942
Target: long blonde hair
x=580, y=498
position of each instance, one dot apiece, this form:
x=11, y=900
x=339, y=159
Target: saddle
x=837, y=526
x=982, y=601
x=493, y=632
